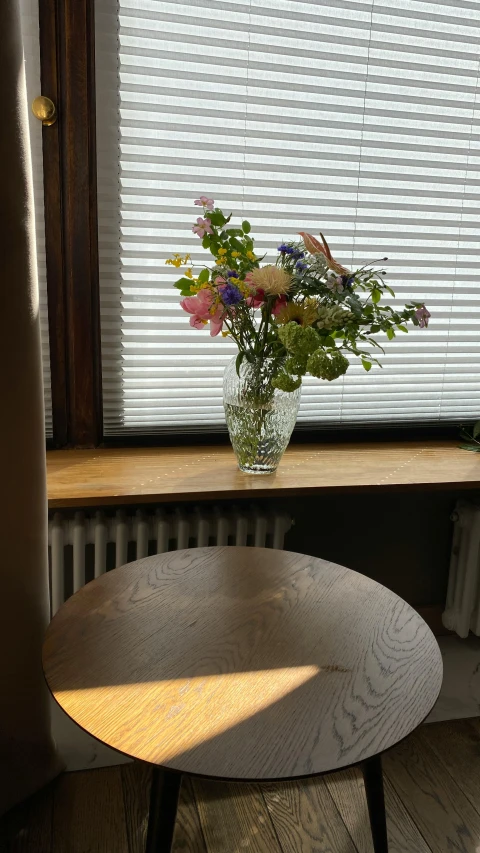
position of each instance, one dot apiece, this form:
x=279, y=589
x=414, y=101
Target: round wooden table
x=246, y=664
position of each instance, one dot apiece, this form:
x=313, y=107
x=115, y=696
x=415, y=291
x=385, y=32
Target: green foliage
x=471, y=437
x=217, y=218
x=184, y=285
x=246, y=227
x=238, y=361
x=204, y=276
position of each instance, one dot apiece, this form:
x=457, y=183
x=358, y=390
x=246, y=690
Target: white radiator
x=84, y=545
x=462, y=610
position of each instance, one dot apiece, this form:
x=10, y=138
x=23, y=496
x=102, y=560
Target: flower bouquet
x=306, y=313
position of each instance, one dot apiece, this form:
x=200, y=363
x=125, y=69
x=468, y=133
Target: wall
x=402, y=540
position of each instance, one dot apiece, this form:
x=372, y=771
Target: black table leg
x=163, y=810
x=373, y=777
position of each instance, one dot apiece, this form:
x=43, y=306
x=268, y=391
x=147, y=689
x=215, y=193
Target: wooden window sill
x=166, y=474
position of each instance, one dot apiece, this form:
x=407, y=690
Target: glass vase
x=260, y=418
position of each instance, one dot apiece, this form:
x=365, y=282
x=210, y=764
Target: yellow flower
x=225, y=334
x=222, y=251
x=220, y=261
x=292, y=312
x=189, y=273
x=273, y=280
x=177, y=260
x=234, y=254
x=251, y=256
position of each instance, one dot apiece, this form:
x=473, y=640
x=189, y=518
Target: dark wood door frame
x=67, y=48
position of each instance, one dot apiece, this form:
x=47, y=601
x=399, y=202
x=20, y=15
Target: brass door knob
x=45, y=110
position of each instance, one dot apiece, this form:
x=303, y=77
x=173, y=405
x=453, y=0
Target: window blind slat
x=354, y=117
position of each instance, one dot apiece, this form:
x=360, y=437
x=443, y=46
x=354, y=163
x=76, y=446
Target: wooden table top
x=165, y=474
x=243, y=663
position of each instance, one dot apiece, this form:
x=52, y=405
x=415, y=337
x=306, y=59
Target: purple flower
x=423, y=316
x=300, y=266
x=297, y=254
x=232, y=274
x=230, y=294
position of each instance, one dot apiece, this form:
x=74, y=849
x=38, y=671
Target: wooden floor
x=432, y=789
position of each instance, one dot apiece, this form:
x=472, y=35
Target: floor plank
x=136, y=783
x=88, y=812
x=457, y=745
x=348, y=792
x=440, y=810
x=234, y=818
x=306, y=819
x=136, y=793
x=432, y=790
x=28, y=827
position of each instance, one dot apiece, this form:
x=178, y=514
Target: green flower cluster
x=307, y=354
x=327, y=365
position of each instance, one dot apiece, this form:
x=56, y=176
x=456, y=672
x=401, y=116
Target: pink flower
x=220, y=280
x=335, y=283
x=279, y=304
x=203, y=226
x=204, y=201
x=199, y=307
x=257, y=298
x=423, y=316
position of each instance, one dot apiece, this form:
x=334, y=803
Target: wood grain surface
x=348, y=793
x=242, y=663
x=458, y=749
x=234, y=818
x=306, y=818
x=440, y=810
x=90, y=816
x=142, y=475
x=188, y=836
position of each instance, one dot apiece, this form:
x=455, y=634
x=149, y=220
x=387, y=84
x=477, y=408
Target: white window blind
x=31, y=51
x=360, y=119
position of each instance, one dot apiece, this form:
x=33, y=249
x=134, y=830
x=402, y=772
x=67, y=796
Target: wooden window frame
x=67, y=55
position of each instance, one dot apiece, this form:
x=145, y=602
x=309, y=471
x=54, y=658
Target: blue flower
x=297, y=254
x=301, y=266
x=232, y=274
x=230, y=294
x=285, y=250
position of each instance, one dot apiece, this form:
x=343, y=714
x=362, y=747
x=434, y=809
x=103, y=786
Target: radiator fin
x=153, y=531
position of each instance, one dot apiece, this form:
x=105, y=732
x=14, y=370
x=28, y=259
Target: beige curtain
x=27, y=755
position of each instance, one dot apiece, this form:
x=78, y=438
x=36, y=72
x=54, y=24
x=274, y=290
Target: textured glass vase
x=260, y=418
